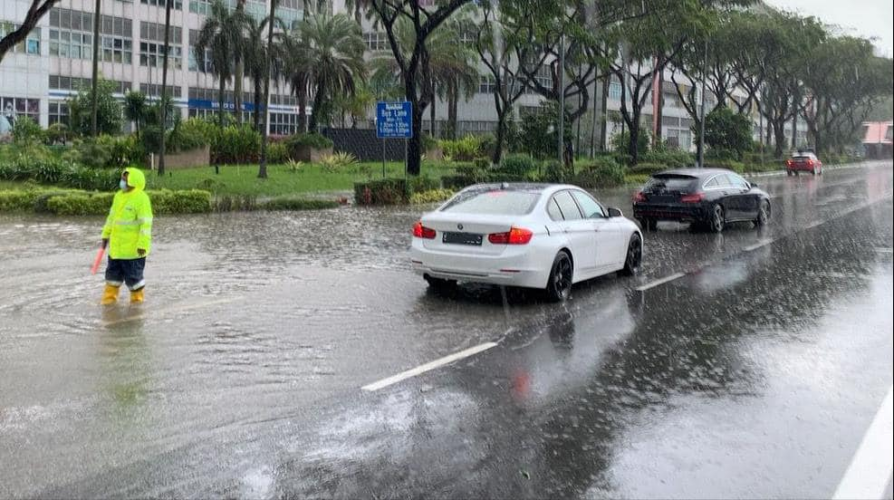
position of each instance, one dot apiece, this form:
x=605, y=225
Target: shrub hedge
x=520, y=165
x=432, y=196
x=297, y=204
x=71, y=202
x=600, y=176
x=647, y=168
x=62, y=172
x=382, y=192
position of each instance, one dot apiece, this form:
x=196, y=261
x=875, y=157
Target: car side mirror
x=615, y=212
x=752, y=185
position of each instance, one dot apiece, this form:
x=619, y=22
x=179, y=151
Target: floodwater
x=754, y=375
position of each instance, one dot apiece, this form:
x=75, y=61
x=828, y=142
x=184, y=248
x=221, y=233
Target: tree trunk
x=452, y=99
x=432, y=115
x=779, y=133
x=301, y=92
x=97, y=19
x=318, y=103
x=603, y=128
x=501, y=135
x=239, y=76
x=632, y=148
x=262, y=168
x=414, y=144
x=256, y=115
x=164, y=88
x=220, y=117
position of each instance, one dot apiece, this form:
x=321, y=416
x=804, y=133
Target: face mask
x=122, y=184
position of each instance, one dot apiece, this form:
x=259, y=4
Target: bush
x=188, y=135
x=17, y=201
x=468, y=170
x=646, y=169
x=382, y=192
x=770, y=166
x=457, y=182
x=107, y=152
x=482, y=163
x=234, y=203
x=487, y=145
x=735, y=166
x=26, y=131
x=466, y=149
x=620, y=142
x=636, y=179
x=336, y=161
x=671, y=159
x=163, y=202
x=556, y=172
x=423, y=183
x=432, y=196
x=601, y=176
x=58, y=133
x=727, y=130
x=315, y=141
x=236, y=144
x=297, y=204
x=721, y=154
x=90, y=179
x=517, y=165
x=539, y=136
x=277, y=152
x=428, y=142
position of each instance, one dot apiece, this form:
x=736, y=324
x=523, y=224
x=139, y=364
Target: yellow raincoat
x=129, y=224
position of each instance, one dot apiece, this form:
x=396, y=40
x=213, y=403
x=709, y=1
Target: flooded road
x=755, y=372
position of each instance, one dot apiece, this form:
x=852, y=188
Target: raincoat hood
x=135, y=179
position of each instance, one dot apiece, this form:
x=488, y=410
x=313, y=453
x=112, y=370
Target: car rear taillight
x=515, y=236
x=789, y=163
x=420, y=231
x=639, y=197
x=692, y=198
x=809, y=163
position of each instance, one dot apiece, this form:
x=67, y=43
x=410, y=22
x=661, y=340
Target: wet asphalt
x=755, y=374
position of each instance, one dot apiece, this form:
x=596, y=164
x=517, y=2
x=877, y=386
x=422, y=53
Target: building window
x=58, y=113
x=614, y=90
x=486, y=84
x=376, y=41
x=152, y=55
x=193, y=61
x=176, y=4
x=154, y=90
x=14, y=108
x=30, y=45
x=283, y=123
x=75, y=84
x=71, y=36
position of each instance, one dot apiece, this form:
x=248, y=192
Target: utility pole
x=97, y=20
x=701, y=135
x=164, y=88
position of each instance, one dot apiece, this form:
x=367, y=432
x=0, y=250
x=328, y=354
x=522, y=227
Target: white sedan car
x=542, y=236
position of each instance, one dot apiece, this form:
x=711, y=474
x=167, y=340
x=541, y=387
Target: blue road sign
x=394, y=120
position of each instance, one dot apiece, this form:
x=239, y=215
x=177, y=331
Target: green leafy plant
x=517, y=165
x=337, y=161
x=432, y=196
x=294, y=167
x=26, y=131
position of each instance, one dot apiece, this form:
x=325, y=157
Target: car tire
x=789, y=173
x=440, y=284
x=634, y=258
x=717, y=220
x=763, y=214
x=814, y=172
x=558, y=287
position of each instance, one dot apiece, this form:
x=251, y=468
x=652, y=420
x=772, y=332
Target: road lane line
x=419, y=370
x=884, y=250
x=660, y=282
x=870, y=470
x=754, y=247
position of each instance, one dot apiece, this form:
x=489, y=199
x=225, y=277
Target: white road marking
x=419, y=370
x=884, y=250
x=660, y=282
x=870, y=470
x=754, y=247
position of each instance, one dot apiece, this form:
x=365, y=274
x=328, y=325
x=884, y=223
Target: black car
x=708, y=198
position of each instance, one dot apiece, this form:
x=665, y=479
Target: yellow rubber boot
x=136, y=297
x=109, y=295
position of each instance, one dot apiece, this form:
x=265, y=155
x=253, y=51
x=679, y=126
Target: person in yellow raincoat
x=127, y=235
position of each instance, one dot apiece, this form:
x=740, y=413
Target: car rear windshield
x=676, y=183
x=493, y=202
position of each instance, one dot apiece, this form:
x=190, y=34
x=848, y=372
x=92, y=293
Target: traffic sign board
x=394, y=120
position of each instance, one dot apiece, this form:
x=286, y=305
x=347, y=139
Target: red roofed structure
x=877, y=138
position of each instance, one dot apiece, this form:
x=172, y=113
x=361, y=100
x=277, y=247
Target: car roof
x=529, y=187
x=700, y=173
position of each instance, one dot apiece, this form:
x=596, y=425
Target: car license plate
x=462, y=239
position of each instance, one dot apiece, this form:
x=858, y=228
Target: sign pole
x=383, y=157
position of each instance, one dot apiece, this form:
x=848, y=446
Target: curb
x=776, y=173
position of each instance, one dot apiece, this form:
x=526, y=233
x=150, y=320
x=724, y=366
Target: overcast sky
x=866, y=18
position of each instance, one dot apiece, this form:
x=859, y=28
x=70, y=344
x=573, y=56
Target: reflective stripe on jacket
x=129, y=224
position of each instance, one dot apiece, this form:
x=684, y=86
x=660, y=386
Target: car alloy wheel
x=717, y=219
x=634, y=255
x=560, y=279
x=763, y=216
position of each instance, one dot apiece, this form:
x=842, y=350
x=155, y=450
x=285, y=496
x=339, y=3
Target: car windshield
x=676, y=183
x=493, y=202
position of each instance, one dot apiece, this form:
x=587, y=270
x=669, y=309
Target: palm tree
x=333, y=57
x=255, y=57
x=223, y=34
x=135, y=108
x=262, y=168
